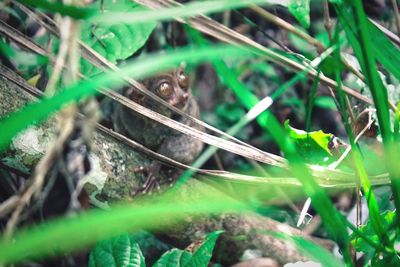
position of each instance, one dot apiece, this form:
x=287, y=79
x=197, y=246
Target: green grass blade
x=311, y=100
x=363, y=49
x=320, y=199
x=184, y=11
x=74, y=233
x=386, y=52
x=366, y=56
x=396, y=132
x=58, y=7
x=301, y=11
x=372, y=243
x=356, y=154
x=267, y=121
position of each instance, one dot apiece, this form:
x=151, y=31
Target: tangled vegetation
x=294, y=105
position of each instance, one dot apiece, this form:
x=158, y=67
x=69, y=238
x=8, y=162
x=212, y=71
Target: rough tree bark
x=113, y=178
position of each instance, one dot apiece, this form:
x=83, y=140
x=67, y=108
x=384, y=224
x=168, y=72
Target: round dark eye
x=165, y=89
x=183, y=80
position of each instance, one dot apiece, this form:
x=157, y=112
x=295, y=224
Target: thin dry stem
x=348, y=149
x=287, y=26
x=65, y=126
x=37, y=179
x=396, y=15
x=65, y=26
x=327, y=20
x=306, y=37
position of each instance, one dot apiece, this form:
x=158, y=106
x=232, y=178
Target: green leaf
x=6, y=50
x=386, y=52
x=121, y=251
x=202, y=255
x=313, y=146
x=389, y=220
x=116, y=42
x=385, y=259
x=186, y=256
x=358, y=32
x=172, y=258
x=58, y=7
x=379, y=258
x=300, y=9
x=181, y=258
x=383, y=49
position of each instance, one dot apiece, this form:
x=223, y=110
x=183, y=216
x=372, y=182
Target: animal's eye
x=183, y=80
x=165, y=89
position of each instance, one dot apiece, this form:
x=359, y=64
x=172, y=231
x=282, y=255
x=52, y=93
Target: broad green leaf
x=181, y=258
x=121, y=251
x=116, y=42
x=185, y=258
x=313, y=146
x=300, y=9
x=172, y=258
x=202, y=256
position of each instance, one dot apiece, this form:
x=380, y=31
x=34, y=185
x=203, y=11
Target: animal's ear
x=133, y=94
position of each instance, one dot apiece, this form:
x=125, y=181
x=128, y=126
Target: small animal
x=173, y=87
